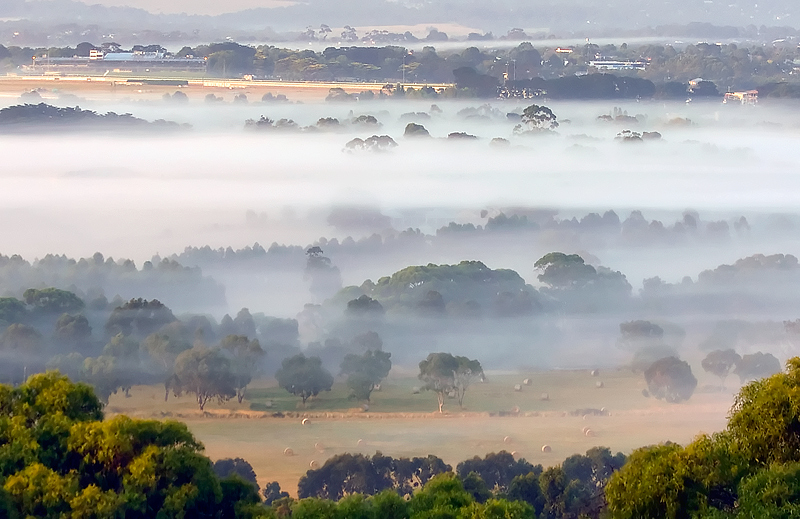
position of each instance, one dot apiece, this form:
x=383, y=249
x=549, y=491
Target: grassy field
x=400, y=423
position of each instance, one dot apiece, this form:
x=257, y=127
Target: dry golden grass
x=400, y=423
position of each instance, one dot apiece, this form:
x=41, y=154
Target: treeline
x=98, y=278
x=61, y=458
x=668, y=70
x=600, y=230
x=138, y=342
x=42, y=116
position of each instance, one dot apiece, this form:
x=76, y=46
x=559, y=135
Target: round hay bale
x=589, y=433
x=584, y=430
x=595, y=372
x=305, y=421
x=546, y=448
x=604, y=410
x=376, y=387
x=319, y=447
x=517, y=387
x=288, y=451
x=313, y=464
x=515, y=409
x=514, y=453
x=361, y=442
x=545, y=397
x=527, y=382
x=415, y=391
x=599, y=384
x=507, y=439
x=586, y=417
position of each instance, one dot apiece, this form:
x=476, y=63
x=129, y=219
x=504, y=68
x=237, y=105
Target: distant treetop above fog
x=468, y=287
x=44, y=116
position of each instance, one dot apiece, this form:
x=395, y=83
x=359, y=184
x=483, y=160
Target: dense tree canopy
x=59, y=458
x=304, y=376
x=444, y=373
x=747, y=470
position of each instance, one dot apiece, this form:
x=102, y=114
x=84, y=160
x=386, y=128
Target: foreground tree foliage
x=347, y=474
x=59, y=458
x=496, y=486
x=751, y=469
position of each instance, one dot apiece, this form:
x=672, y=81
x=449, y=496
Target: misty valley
x=517, y=283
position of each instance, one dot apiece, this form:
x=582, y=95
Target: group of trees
x=138, y=342
x=41, y=116
x=105, y=283
x=60, y=458
x=497, y=485
x=445, y=374
x=748, y=470
x=469, y=289
x=479, y=71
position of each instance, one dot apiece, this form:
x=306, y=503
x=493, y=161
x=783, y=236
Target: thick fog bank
x=133, y=196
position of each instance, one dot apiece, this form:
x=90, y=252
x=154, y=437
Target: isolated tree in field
x=245, y=356
x=757, y=365
x=304, y=376
x=365, y=371
x=539, y=118
x=444, y=373
x=206, y=373
x=670, y=379
x=720, y=363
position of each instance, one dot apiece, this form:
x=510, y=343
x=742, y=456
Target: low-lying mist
x=241, y=204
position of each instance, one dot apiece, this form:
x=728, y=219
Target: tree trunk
x=440, y=396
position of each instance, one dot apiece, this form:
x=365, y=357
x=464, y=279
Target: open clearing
x=400, y=423
x=120, y=85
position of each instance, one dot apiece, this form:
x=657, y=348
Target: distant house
x=618, y=65
x=747, y=97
